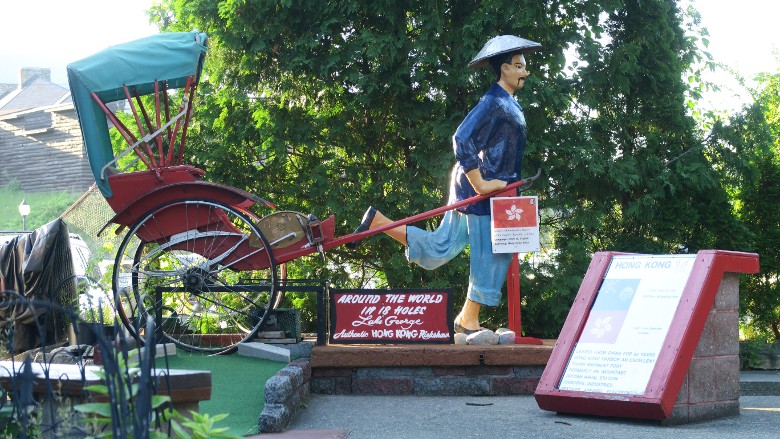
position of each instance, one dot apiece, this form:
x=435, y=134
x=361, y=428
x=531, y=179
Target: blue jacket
x=491, y=138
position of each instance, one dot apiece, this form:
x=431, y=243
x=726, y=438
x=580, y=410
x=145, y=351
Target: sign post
x=514, y=304
x=514, y=229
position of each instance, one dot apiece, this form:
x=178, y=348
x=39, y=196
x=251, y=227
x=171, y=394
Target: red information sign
x=514, y=224
x=628, y=341
x=391, y=316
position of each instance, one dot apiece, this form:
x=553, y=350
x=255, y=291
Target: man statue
x=489, y=146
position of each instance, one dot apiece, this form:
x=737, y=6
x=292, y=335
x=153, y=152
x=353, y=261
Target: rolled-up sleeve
x=472, y=135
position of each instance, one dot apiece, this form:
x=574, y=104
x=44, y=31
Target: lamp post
x=24, y=210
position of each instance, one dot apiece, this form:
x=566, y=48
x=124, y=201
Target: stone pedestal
x=711, y=386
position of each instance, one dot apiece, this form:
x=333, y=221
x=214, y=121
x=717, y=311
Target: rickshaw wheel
x=201, y=270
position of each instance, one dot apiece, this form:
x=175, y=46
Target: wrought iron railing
x=51, y=391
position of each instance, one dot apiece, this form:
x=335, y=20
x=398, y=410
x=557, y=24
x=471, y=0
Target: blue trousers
x=432, y=249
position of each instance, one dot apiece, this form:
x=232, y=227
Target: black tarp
x=39, y=266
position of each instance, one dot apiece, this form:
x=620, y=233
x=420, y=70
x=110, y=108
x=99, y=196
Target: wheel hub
x=196, y=279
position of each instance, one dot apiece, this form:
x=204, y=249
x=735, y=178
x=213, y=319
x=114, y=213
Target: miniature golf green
x=237, y=386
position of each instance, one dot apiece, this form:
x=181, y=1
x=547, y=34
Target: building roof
x=6, y=88
x=36, y=93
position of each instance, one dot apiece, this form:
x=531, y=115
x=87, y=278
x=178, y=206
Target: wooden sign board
x=631, y=333
x=391, y=316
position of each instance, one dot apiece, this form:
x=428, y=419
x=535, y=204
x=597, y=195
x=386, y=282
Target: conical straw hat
x=502, y=44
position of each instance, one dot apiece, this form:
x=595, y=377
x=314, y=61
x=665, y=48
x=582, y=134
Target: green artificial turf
x=237, y=386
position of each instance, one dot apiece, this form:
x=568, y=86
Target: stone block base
x=428, y=369
x=711, y=386
x=689, y=413
x=428, y=381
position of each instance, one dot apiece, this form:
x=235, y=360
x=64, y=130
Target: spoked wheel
x=201, y=270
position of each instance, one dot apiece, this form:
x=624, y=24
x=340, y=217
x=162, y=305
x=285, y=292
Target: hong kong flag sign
x=514, y=224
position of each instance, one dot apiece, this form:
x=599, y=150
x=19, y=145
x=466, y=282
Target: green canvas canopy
x=171, y=57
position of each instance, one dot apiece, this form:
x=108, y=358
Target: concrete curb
x=264, y=351
x=759, y=388
x=760, y=383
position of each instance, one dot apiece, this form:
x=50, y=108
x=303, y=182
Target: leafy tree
x=749, y=149
x=635, y=176
x=328, y=107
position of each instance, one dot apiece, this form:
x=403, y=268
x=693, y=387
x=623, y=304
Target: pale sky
x=53, y=33
x=743, y=34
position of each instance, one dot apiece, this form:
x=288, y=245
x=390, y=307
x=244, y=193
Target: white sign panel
x=514, y=225
x=627, y=325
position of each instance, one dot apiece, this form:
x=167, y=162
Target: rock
x=65, y=355
x=277, y=389
x=483, y=338
x=274, y=418
x=506, y=337
x=500, y=331
x=460, y=338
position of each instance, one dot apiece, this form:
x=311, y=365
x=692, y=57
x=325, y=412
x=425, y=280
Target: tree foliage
x=749, y=145
x=329, y=107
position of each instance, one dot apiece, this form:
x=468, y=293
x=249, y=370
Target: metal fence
x=58, y=391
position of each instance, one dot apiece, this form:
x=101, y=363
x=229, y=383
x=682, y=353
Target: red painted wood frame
x=672, y=364
x=514, y=304
x=172, y=140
